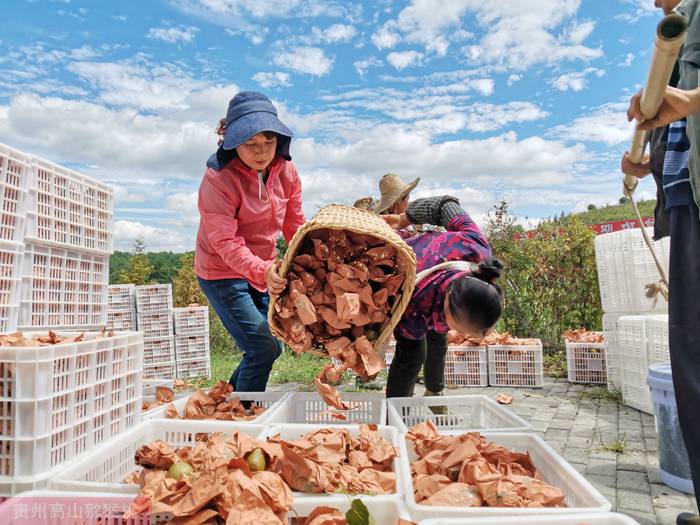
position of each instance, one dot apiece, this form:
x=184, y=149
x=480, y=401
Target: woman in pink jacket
x=250, y=194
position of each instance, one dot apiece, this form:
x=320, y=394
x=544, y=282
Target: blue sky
x=523, y=99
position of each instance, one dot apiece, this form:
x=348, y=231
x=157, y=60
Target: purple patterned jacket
x=463, y=241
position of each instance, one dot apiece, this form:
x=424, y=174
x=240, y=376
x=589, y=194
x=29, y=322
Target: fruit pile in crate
x=626, y=271
x=154, y=314
x=585, y=356
x=192, y=358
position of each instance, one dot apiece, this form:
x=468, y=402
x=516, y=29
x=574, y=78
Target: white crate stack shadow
x=154, y=314
x=192, y=357
x=625, y=267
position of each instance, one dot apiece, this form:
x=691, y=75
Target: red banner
x=599, y=229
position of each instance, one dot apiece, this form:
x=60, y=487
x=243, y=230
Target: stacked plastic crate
x=58, y=400
x=121, y=308
x=625, y=268
x=154, y=314
x=192, y=342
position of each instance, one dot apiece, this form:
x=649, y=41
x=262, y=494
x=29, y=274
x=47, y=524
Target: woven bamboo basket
x=338, y=217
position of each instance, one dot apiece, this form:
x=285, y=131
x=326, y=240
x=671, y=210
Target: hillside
x=617, y=212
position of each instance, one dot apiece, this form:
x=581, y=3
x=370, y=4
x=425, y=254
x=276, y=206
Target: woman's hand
x=397, y=221
x=275, y=283
x=640, y=170
x=677, y=104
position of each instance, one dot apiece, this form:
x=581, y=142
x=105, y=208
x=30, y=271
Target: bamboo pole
x=670, y=36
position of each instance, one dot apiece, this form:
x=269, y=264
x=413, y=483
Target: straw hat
x=393, y=189
x=365, y=203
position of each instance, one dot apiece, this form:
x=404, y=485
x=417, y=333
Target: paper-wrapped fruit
x=350, y=278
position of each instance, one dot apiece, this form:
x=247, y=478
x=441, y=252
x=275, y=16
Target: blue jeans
x=243, y=312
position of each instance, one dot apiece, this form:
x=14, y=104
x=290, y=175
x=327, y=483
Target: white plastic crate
x=159, y=371
x=120, y=297
x=14, y=168
x=154, y=298
x=465, y=413
x=613, y=284
x=585, y=362
x=602, y=518
x=390, y=352
x=466, y=366
x=581, y=496
x=158, y=351
x=308, y=407
x=189, y=347
x=612, y=351
x=121, y=320
x=11, y=257
x=634, y=365
x=155, y=324
x=57, y=401
x=63, y=288
x=516, y=366
x=657, y=340
x=63, y=508
x=68, y=209
x=192, y=320
x=200, y=367
x=104, y=468
x=290, y=432
x=272, y=401
x=385, y=510
x=644, y=271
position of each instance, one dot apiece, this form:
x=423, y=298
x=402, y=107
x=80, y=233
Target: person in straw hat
x=365, y=203
x=394, y=194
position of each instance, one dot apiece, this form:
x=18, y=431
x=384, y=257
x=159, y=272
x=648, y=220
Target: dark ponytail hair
x=477, y=299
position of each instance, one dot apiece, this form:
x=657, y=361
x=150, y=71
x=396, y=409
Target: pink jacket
x=241, y=219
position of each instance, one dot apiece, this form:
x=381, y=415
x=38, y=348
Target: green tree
x=591, y=207
x=624, y=200
x=139, y=269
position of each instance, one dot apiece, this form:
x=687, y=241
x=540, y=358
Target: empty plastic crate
x=199, y=367
x=516, y=366
x=14, y=168
x=290, y=432
x=602, y=518
x=11, y=257
x=191, y=320
x=657, y=340
x=57, y=401
x=612, y=351
x=609, y=249
x=585, y=362
x=581, y=496
x=68, y=209
x=104, y=468
x=644, y=272
x=188, y=347
x=154, y=298
x=466, y=366
x=159, y=371
x=158, y=351
x=272, y=401
x=155, y=324
x=308, y=407
x=464, y=413
x=632, y=344
x=122, y=321
x=63, y=288
x=120, y=297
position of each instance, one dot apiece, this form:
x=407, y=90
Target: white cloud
x=483, y=86
x=386, y=37
x=272, y=79
x=256, y=34
x=637, y=10
x=403, y=59
x=155, y=238
x=309, y=60
x=173, y=35
x=233, y=10
x=575, y=81
x=338, y=33
x=361, y=66
x=184, y=205
x=578, y=32
x=513, y=78
x=607, y=124
x=627, y=62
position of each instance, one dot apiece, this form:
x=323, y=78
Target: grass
x=601, y=393
x=555, y=364
x=618, y=446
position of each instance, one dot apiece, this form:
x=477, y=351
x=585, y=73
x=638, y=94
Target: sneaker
x=688, y=519
x=439, y=410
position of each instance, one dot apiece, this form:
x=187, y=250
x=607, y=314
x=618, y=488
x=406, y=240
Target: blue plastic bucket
x=673, y=457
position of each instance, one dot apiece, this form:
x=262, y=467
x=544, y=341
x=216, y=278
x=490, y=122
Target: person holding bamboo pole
x=681, y=178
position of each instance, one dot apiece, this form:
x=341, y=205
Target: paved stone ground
x=577, y=427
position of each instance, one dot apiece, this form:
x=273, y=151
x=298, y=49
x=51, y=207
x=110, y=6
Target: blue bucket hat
x=250, y=113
